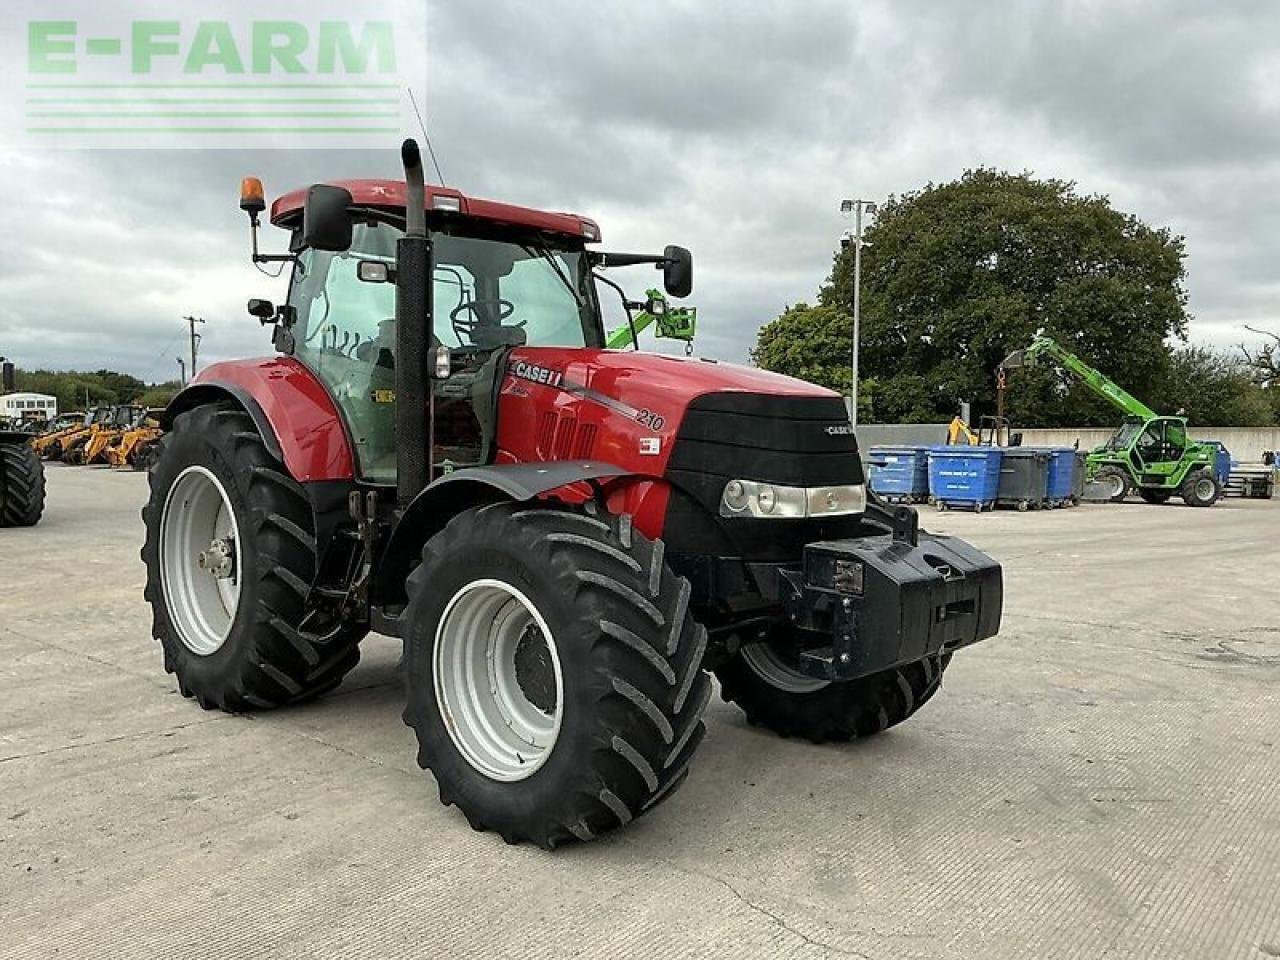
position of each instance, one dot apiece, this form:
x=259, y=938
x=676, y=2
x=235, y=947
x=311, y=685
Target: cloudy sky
x=733, y=128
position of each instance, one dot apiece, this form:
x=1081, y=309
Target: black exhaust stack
x=413, y=336
x=7, y=381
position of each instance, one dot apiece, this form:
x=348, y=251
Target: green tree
x=159, y=394
x=957, y=275
x=1212, y=388
x=72, y=387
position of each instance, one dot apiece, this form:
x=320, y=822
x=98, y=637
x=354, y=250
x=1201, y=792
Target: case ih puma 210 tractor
x=567, y=539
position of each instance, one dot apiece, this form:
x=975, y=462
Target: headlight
x=753, y=498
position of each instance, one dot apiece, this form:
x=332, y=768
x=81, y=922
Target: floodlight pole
x=857, y=207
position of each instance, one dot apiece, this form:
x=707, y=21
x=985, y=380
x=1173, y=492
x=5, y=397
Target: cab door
x=345, y=333
x=1158, y=450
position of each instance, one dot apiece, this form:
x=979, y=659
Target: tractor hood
x=626, y=407
x=651, y=378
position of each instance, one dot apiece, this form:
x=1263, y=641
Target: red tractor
x=567, y=539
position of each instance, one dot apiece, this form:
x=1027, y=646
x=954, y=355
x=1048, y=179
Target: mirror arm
x=601, y=259
x=626, y=307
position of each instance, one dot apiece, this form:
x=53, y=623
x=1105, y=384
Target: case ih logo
x=260, y=73
x=531, y=371
x=839, y=430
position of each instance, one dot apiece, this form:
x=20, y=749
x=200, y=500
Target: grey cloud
x=731, y=128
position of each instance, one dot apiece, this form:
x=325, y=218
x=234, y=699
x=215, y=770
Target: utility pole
x=182, y=371
x=858, y=208
x=195, y=340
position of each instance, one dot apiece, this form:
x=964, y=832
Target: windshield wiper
x=546, y=255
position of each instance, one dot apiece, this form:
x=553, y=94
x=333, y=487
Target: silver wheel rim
x=1204, y=489
x=1117, y=485
x=769, y=666
x=202, y=602
x=498, y=681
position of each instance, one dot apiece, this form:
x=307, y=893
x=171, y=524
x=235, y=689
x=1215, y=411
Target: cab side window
x=345, y=333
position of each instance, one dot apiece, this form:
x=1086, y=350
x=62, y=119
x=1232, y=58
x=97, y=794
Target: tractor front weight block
x=869, y=604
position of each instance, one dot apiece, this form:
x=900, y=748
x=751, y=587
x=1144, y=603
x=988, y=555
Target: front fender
x=292, y=409
x=461, y=490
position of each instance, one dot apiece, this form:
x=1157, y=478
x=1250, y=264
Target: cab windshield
x=491, y=291
x=1123, y=437
x=488, y=293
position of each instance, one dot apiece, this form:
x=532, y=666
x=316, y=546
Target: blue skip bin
x=1222, y=461
x=900, y=474
x=1061, y=488
x=964, y=477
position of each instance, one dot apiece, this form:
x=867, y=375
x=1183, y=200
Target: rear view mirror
x=373, y=271
x=326, y=219
x=677, y=271
x=262, y=309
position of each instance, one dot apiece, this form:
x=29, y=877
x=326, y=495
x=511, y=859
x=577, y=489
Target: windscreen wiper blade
x=546, y=255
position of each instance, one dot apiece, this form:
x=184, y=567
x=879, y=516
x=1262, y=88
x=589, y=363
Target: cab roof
x=390, y=195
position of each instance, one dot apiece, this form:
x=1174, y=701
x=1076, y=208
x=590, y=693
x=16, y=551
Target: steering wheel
x=466, y=316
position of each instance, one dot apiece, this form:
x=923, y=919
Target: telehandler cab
x=565, y=537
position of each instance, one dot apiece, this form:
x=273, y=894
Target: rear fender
x=469, y=487
x=293, y=411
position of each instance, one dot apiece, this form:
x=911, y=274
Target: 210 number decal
x=654, y=421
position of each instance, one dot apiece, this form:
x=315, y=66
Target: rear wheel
x=1200, y=489
x=1154, y=496
x=766, y=682
x=1116, y=482
x=21, y=485
x=553, y=672
x=230, y=554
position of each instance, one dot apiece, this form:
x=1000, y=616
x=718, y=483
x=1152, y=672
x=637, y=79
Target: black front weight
x=864, y=605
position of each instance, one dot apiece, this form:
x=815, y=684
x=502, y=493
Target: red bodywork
x=620, y=407
x=301, y=412
x=556, y=403
x=390, y=195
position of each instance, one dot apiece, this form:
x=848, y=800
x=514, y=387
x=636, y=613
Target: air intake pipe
x=414, y=421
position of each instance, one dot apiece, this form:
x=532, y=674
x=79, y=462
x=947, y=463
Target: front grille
x=798, y=441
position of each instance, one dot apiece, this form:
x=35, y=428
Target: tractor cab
x=502, y=277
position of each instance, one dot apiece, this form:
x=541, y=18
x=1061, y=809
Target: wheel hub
x=218, y=559
x=498, y=680
x=535, y=674
x=200, y=560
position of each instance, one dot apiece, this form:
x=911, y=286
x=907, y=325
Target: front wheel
x=1201, y=489
x=1116, y=482
x=766, y=682
x=553, y=673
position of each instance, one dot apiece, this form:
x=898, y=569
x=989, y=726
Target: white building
x=28, y=406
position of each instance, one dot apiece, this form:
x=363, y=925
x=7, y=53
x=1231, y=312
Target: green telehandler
x=674, y=323
x=1149, y=454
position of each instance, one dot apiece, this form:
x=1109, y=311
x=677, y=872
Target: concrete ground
x=1101, y=780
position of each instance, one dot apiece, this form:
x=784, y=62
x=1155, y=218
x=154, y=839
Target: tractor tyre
x=231, y=553
x=1117, y=481
x=1154, y=496
x=1200, y=489
x=553, y=672
x=143, y=460
x=764, y=681
x=21, y=485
